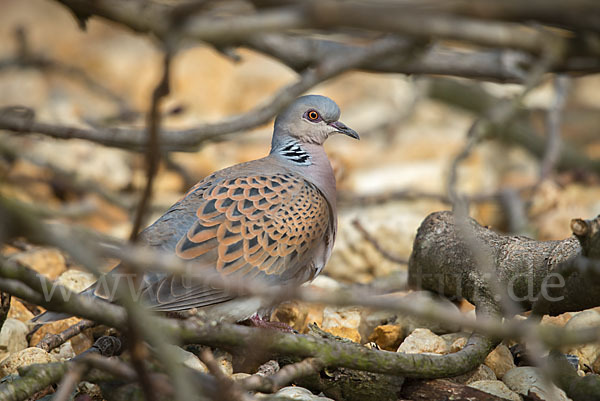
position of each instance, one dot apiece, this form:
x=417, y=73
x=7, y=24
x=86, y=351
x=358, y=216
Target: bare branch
x=285, y=376
x=153, y=150
x=190, y=139
x=51, y=341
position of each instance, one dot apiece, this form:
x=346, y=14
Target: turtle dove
x=271, y=219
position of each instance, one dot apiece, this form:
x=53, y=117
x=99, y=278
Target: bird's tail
x=49, y=317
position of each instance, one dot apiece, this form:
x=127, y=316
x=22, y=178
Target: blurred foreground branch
x=489, y=48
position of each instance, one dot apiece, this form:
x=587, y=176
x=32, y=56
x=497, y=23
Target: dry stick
x=136, y=323
x=111, y=365
x=153, y=148
x=283, y=377
x=137, y=347
x=228, y=388
x=377, y=245
x=113, y=315
x=51, y=341
x=123, y=371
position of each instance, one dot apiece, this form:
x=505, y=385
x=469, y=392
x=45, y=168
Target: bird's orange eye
x=313, y=115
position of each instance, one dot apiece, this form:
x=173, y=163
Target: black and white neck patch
x=293, y=152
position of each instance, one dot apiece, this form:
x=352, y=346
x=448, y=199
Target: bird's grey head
x=310, y=119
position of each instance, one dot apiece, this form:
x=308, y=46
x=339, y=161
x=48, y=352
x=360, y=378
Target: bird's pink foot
x=257, y=321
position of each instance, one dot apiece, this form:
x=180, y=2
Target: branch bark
x=442, y=262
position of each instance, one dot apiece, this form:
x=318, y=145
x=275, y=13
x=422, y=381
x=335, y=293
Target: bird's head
x=311, y=119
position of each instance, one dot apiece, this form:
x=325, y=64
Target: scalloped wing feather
x=265, y=226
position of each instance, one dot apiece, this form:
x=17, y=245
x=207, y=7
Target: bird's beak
x=343, y=129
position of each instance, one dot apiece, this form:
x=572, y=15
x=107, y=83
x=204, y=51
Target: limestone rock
x=500, y=360
x=89, y=161
x=240, y=376
x=421, y=341
x=26, y=357
x=387, y=336
x=456, y=341
x=188, y=359
x=47, y=261
x=371, y=318
x=76, y=280
x=64, y=352
x=225, y=361
x=342, y=322
x=587, y=353
x=560, y=320
x=19, y=311
x=92, y=390
x=292, y=313
x=482, y=372
x=314, y=314
x=529, y=380
x=298, y=315
x=497, y=388
x=296, y=394
x=13, y=337
x=323, y=282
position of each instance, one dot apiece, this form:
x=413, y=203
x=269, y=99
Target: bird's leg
x=257, y=321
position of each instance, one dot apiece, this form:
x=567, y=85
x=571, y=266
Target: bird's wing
x=265, y=227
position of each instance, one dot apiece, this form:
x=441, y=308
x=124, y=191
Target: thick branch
x=443, y=262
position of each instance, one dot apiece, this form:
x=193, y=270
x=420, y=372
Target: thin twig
x=228, y=389
x=283, y=377
x=553, y=123
x=51, y=341
x=69, y=382
x=153, y=150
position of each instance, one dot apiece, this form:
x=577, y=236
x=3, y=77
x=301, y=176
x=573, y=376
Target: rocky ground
x=408, y=141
